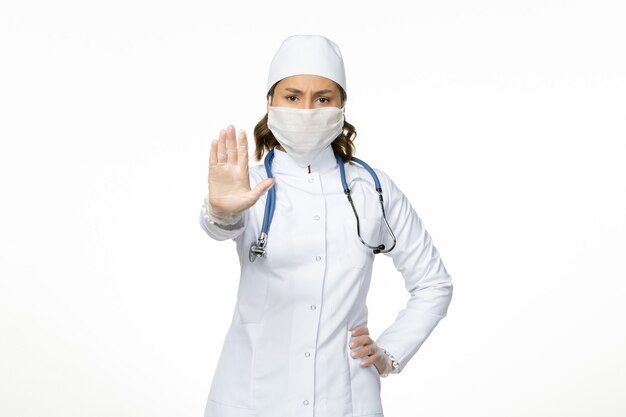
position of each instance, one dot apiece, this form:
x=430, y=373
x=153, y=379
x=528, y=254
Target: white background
x=502, y=121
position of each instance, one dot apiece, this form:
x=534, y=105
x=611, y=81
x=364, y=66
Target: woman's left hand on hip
x=363, y=345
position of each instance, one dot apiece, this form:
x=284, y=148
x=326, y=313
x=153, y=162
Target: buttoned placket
x=308, y=285
x=308, y=320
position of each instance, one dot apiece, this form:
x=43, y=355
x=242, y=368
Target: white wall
x=503, y=122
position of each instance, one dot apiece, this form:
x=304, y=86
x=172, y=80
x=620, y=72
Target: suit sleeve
x=219, y=229
x=425, y=277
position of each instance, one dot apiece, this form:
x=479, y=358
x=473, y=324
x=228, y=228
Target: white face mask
x=304, y=133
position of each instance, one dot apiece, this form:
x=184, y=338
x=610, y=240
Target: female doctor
x=307, y=224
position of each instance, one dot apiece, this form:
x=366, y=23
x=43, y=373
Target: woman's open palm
x=229, y=183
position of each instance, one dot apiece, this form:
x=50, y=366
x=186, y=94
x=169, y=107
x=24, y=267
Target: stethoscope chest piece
x=257, y=249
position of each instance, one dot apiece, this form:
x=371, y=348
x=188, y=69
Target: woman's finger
x=368, y=353
x=361, y=340
x=242, y=148
x=231, y=145
x=358, y=331
x=365, y=349
x=213, y=155
x=221, y=148
x=261, y=188
x=373, y=356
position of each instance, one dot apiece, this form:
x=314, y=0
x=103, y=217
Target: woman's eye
x=324, y=98
x=289, y=98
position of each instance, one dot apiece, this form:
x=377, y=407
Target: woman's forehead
x=307, y=81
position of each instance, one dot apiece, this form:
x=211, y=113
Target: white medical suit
x=286, y=352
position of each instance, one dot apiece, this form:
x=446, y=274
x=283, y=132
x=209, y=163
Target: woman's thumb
x=262, y=187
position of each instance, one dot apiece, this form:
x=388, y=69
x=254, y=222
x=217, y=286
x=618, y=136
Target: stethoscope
x=258, y=249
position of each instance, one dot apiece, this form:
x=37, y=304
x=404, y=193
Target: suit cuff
x=220, y=219
x=391, y=364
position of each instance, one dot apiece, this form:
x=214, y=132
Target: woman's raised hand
x=229, y=183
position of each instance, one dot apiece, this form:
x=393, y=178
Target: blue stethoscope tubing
x=257, y=248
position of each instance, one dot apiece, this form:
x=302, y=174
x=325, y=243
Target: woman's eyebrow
x=295, y=90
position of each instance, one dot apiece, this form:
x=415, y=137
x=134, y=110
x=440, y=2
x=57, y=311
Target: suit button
x=305, y=402
x=307, y=354
x=310, y=180
x=316, y=217
x=313, y=307
x=317, y=258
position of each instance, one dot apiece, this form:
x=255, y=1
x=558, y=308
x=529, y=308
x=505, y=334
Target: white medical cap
x=307, y=54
